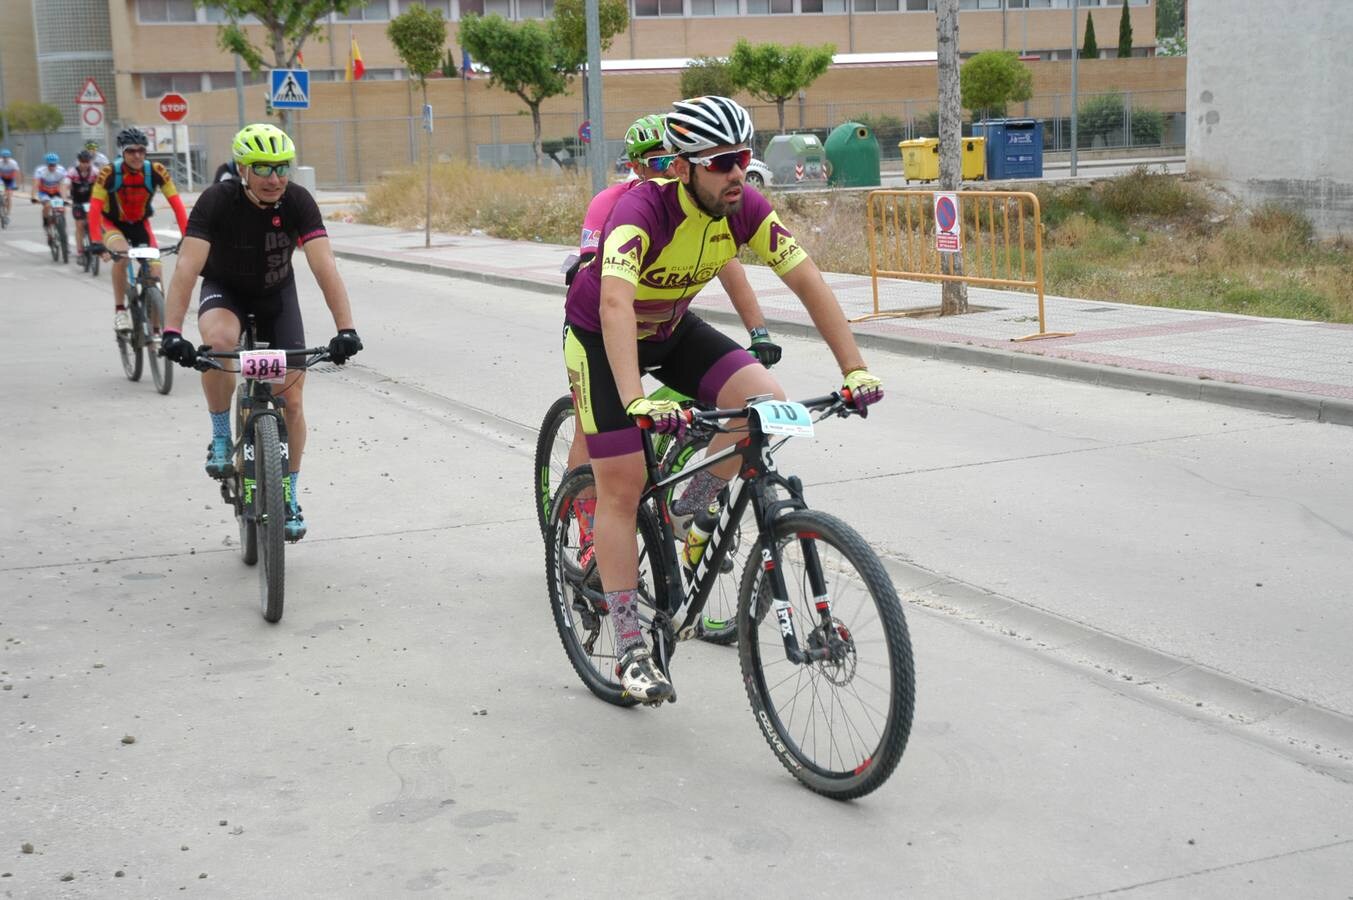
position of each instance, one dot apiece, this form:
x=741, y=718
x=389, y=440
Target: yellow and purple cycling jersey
x=658, y=240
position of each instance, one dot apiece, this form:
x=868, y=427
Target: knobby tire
x=270, y=517
x=551, y=459
x=244, y=511
x=129, y=344
x=161, y=369
x=838, y=727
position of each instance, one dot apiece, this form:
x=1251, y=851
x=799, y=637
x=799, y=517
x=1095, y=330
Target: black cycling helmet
x=132, y=137
x=84, y=156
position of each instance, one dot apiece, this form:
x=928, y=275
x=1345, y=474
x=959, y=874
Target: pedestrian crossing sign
x=290, y=88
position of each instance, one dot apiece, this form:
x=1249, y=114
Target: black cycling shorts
x=138, y=234
x=277, y=315
x=696, y=360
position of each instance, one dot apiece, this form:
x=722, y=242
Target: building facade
x=1249, y=128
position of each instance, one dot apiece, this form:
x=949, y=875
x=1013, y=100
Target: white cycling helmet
x=703, y=123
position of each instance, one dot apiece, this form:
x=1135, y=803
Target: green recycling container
x=853, y=153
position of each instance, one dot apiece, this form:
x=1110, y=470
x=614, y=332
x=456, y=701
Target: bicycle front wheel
x=557, y=433
x=61, y=236
x=839, y=724
x=52, y=245
x=244, y=512
x=576, y=597
x=161, y=369
x=269, y=516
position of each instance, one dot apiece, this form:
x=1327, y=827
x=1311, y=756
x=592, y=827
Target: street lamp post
x=1075, y=65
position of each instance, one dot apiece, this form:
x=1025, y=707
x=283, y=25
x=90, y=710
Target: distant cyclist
x=97, y=158
x=240, y=239
x=120, y=211
x=82, y=178
x=49, y=180
x=226, y=171
x=11, y=177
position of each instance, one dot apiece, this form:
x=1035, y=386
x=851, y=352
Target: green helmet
x=262, y=143
x=644, y=135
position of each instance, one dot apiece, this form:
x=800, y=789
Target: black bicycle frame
x=756, y=472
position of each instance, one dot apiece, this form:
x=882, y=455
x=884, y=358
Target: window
x=486, y=8
x=920, y=5
x=661, y=7
x=157, y=84
x=373, y=11
x=166, y=11
x=979, y=4
x=430, y=5
x=217, y=16
x=535, y=9
x=875, y=5
x=714, y=7
x=827, y=6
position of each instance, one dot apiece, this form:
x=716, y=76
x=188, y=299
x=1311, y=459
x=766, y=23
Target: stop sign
x=173, y=107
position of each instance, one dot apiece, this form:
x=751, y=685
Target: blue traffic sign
x=290, y=88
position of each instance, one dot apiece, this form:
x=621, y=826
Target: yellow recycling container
x=974, y=158
x=920, y=159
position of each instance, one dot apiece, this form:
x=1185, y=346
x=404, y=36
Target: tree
x=993, y=78
x=1091, y=49
x=613, y=17
x=419, y=36
x=1124, y=33
x=448, y=65
x=774, y=73
x=707, y=76
x=527, y=58
x=953, y=294
x=41, y=117
x=1169, y=18
x=287, y=25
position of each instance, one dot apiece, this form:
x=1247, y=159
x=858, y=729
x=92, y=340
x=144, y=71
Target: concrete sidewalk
x=1288, y=367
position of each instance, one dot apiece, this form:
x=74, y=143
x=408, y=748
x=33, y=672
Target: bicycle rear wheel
x=129, y=344
x=839, y=725
x=52, y=245
x=270, y=517
x=161, y=369
x=576, y=598
x=551, y=461
x=61, y=236
x=94, y=260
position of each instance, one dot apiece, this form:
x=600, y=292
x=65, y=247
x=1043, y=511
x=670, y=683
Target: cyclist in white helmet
x=664, y=241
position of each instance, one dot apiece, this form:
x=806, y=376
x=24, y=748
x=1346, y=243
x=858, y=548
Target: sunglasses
x=263, y=170
x=133, y=149
x=659, y=163
x=724, y=162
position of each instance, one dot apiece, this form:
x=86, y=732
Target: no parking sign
x=948, y=223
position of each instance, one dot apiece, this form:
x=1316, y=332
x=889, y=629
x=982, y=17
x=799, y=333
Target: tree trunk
x=780, y=108
x=535, y=141
x=427, y=149
x=953, y=294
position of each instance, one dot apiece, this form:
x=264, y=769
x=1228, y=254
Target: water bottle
x=698, y=536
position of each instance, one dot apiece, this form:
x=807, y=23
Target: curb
x=1243, y=396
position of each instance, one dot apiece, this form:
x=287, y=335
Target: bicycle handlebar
x=836, y=403
x=207, y=359
x=120, y=254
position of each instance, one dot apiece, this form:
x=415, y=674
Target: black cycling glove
x=345, y=344
x=766, y=351
x=174, y=346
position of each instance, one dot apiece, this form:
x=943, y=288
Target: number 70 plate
x=784, y=417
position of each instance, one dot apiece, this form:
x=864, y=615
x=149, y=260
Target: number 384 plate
x=784, y=417
x=264, y=365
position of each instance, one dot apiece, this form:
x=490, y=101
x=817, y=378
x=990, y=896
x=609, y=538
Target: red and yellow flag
x=355, y=67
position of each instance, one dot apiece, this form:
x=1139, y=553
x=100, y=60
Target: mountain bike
x=256, y=484
x=55, y=227
x=822, y=639
x=145, y=303
x=557, y=432
x=88, y=262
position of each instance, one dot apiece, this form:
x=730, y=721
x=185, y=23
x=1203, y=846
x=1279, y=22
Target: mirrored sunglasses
x=659, y=163
x=724, y=162
x=263, y=170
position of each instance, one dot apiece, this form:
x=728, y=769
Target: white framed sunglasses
x=724, y=162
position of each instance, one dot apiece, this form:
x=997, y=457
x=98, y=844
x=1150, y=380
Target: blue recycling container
x=1014, y=147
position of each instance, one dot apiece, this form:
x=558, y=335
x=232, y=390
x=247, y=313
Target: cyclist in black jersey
x=240, y=238
x=665, y=240
x=82, y=177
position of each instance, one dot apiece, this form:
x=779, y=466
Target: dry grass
x=1145, y=237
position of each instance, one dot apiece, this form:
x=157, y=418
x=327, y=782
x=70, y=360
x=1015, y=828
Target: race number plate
x=784, y=417
x=144, y=253
x=264, y=365
x=58, y=202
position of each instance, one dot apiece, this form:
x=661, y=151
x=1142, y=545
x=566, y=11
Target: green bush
x=1142, y=192
x=1099, y=117
x=1148, y=126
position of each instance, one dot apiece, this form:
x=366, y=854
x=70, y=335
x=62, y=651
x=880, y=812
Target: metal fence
x=350, y=153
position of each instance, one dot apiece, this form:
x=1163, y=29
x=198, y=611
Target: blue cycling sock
x=220, y=424
x=294, y=477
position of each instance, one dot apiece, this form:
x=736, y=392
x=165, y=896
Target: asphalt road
x=1096, y=582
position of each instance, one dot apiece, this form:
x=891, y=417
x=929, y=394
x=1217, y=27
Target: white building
x=1270, y=103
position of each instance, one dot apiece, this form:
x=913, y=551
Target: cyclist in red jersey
x=120, y=211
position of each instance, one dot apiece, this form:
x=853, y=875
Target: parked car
x=759, y=174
